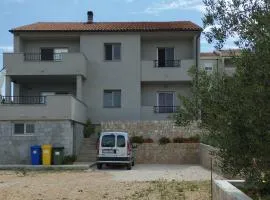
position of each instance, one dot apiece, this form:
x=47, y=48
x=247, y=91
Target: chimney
x=90, y=16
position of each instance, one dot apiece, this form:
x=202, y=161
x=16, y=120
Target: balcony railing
x=165, y=109
x=43, y=57
x=167, y=63
x=23, y=100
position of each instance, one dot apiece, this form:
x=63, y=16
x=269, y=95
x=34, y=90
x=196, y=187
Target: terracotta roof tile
x=109, y=26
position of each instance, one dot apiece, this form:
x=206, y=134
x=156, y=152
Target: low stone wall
x=224, y=190
x=15, y=149
x=151, y=129
x=172, y=153
x=206, y=153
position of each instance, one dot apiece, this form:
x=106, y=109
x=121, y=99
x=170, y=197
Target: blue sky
x=15, y=13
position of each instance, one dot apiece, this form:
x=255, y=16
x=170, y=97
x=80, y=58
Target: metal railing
x=22, y=100
x=167, y=63
x=165, y=109
x=42, y=57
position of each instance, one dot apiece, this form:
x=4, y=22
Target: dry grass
x=94, y=185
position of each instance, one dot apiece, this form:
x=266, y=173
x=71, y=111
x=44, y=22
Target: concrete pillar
x=79, y=89
x=8, y=86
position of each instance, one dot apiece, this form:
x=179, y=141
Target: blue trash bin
x=36, y=155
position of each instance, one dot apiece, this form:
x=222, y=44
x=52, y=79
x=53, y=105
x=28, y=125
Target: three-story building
x=65, y=73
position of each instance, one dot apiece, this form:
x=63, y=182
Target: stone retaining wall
x=206, y=153
x=15, y=149
x=224, y=190
x=151, y=129
x=172, y=153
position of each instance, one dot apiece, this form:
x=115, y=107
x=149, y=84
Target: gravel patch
x=153, y=172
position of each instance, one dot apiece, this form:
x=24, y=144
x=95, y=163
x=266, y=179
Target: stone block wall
x=206, y=153
x=151, y=129
x=15, y=149
x=78, y=137
x=172, y=153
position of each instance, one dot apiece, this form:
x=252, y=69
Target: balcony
x=172, y=70
x=55, y=107
x=37, y=64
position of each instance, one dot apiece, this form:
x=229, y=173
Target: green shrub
x=136, y=139
x=70, y=159
x=164, y=140
x=148, y=140
x=178, y=140
x=89, y=129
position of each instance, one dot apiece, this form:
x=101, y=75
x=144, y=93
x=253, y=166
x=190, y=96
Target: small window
x=19, y=128
x=112, y=99
x=108, y=141
x=121, y=141
x=112, y=51
x=22, y=128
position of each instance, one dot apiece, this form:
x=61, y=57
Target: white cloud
x=166, y=5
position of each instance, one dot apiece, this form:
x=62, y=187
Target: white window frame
x=113, y=58
x=113, y=106
x=24, y=129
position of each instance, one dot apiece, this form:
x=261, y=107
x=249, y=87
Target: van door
x=121, y=145
x=107, y=145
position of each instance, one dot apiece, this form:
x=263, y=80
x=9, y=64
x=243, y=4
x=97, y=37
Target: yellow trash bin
x=46, y=154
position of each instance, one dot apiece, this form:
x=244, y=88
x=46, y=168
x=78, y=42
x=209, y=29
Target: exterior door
x=47, y=54
x=166, y=102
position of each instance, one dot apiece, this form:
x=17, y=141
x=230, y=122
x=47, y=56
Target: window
x=52, y=53
x=108, y=141
x=23, y=128
x=166, y=57
x=112, y=51
x=58, y=53
x=165, y=102
x=112, y=98
x=121, y=141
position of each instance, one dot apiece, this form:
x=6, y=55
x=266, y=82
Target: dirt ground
x=92, y=185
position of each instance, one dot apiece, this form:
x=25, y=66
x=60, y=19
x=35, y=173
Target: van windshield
x=108, y=141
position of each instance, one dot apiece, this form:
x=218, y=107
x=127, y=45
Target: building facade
x=65, y=73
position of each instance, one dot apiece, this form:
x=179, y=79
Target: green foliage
x=236, y=110
x=148, y=140
x=164, y=140
x=89, y=129
x=70, y=159
x=136, y=139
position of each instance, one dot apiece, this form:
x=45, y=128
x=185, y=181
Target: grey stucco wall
x=149, y=92
x=16, y=149
x=183, y=48
x=110, y=75
x=33, y=46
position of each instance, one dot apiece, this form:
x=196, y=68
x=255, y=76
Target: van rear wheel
x=129, y=166
x=99, y=166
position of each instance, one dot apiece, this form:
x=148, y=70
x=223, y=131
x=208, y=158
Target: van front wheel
x=129, y=166
x=99, y=166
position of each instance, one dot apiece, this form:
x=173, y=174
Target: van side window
x=108, y=141
x=121, y=142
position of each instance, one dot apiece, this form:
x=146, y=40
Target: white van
x=114, y=148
